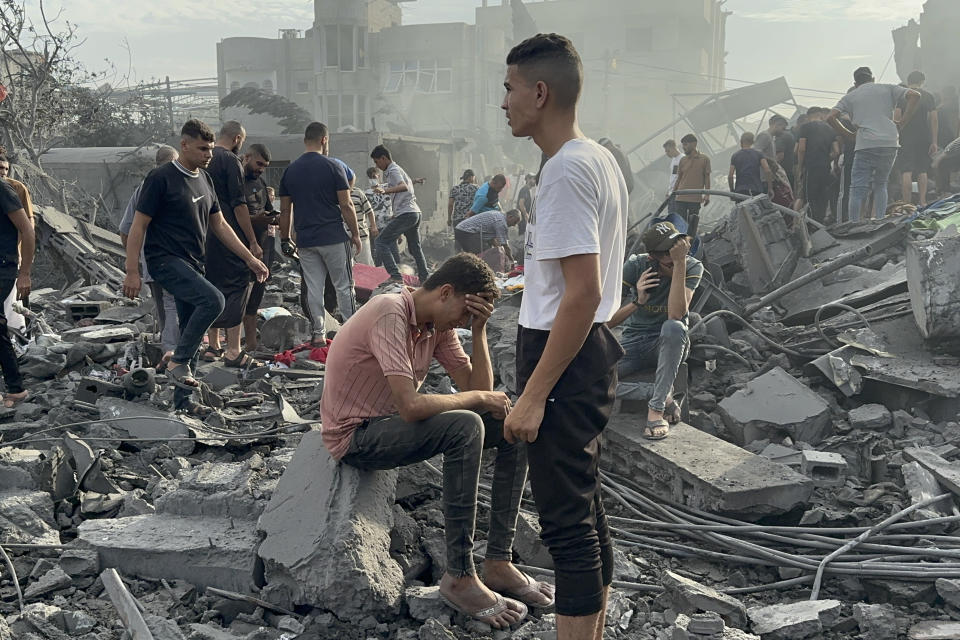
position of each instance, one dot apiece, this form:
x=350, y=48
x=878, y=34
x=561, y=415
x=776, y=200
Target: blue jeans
x=664, y=350
x=407, y=225
x=199, y=304
x=871, y=171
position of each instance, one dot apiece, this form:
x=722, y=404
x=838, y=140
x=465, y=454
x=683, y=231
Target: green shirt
x=650, y=316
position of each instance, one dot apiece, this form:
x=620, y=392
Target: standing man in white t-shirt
x=566, y=355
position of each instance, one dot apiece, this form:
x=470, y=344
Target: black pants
x=8, y=357
x=564, y=466
x=818, y=181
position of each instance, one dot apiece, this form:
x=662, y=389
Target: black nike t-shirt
x=9, y=235
x=179, y=204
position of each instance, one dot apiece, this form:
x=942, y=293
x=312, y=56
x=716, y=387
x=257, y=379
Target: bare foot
x=504, y=577
x=10, y=400
x=469, y=595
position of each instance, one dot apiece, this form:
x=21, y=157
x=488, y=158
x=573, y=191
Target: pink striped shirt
x=380, y=340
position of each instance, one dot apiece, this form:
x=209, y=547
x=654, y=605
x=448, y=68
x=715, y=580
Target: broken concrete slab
x=949, y=590
x=876, y=621
x=933, y=279
x=805, y=619
x=934, y=630
x=774, y=405
x=151, y=423
x=694, y=468
x=922, y=485
x=690, y=597
x=948, y=474
x=207, y=552
x=425, y=603
x=826, y=469
x=870, y=416
x=26, y=517
x=216, y=490
x=53, y=580
x=327, y=536
x=80, y=563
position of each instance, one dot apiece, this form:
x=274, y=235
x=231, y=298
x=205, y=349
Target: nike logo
x=198, y=198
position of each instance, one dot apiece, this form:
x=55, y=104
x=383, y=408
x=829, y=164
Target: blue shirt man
x=488, y=195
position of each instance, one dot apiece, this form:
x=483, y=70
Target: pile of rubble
x=810, y=493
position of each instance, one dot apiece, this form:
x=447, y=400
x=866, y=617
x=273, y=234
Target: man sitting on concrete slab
x=661, y=285
x=374, y=418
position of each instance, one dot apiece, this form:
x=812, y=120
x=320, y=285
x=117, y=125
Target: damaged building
x=930, y=45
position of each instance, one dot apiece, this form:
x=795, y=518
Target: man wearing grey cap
x=659, y=287
x=870, y=107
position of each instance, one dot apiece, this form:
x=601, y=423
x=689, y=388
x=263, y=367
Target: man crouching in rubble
x=661, y=285
x=374, y=418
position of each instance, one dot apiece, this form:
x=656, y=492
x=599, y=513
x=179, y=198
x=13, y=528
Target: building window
x=268, y=86
x=345, y=47
x=345, y=111
x=303, y=87
x=331, y=39
x=251, y=85
x=422, y=76
x=234, y=85
x=640, y=39
x=362, y=113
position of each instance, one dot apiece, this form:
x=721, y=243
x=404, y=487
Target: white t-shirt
x=674, y=171
x=581, y=208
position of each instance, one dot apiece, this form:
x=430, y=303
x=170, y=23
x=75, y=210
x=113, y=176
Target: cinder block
x=825, y=468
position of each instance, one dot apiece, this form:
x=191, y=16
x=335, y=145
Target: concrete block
x=775, y=405
x=689, y=597
x=702, y=471
x=949, y=590
x=934, y=630
x=26, y=517
x=933, y=280
x=683, y=623
x=425, y=603
x=80, y=563
x=827, y=469
x=327, y=531
x=805, y=619
x=528, y=545
x=870, y=416
x=207, y=552
x=876, y=621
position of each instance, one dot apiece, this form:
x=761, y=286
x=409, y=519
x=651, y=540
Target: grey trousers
x=665, y=351
x=317, y=262
x=461, y=436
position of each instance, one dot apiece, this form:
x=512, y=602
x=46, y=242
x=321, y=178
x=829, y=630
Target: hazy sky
x=816, y=44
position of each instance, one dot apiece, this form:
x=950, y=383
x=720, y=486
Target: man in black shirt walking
x=16, y=230
x=177, y=207
x=817, y=147
x=224, y=269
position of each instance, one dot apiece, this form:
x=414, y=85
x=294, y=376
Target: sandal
x=487, y=614
x=532, y=588
x=11, y=400
x=197, y=410
x=181, y=376
x=164, y=363
x=656, y=429
x=243, y=361
x=211, y=355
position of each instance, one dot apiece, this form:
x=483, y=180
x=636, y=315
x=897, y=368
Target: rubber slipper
x=656, y=429
x=181, y=376
x=534, y=588
x=211, y=355
x=487, y=614
x=243, y=361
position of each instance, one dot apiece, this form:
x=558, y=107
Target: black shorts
x=914, y=157
x=235, y=303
